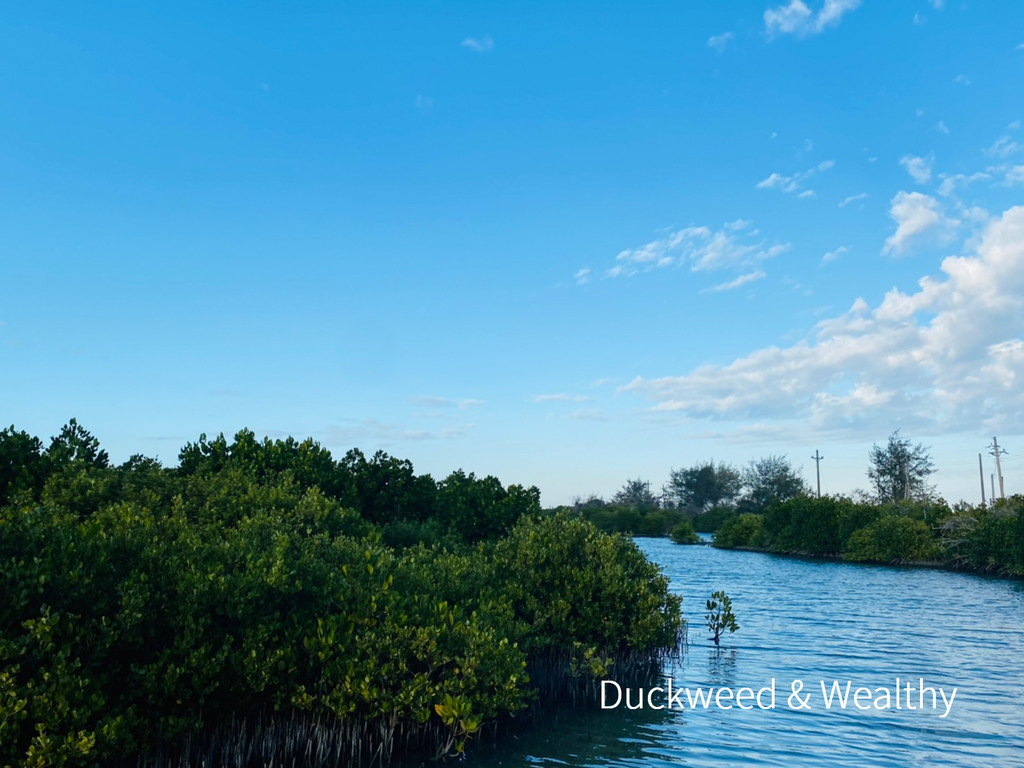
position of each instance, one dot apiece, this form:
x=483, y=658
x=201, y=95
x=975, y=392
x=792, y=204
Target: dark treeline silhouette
x=263, y=601
x=701, y=497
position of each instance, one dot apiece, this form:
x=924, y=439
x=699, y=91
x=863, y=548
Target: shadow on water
x=813, y=621
x=581, y=736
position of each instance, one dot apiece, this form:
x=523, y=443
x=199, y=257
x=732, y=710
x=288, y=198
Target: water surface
x=814, y=620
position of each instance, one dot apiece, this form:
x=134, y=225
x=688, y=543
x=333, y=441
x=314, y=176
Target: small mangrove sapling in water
x=720, y=617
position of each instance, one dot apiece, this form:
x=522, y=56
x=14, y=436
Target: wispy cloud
x=740, y=281
x=582, y=276
x=934, y=360
x=720, y=42
x=919, y=168
x=941, y=127
x=842, y=250
x=951, y=181
x=423, y=102
x=700, y=248
x=1003, y=147
x=1015, y=175
x=483, y=44
x=376, y=432
x=962, y=80
x=916, y=215
x=853, y=199
x=793, y=184
x=798, y=19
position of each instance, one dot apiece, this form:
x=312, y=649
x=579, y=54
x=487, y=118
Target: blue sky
x=561, y=243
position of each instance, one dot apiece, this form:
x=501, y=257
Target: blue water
x=813, y=621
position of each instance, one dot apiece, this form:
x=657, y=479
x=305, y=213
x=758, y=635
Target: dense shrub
x=893, y=539
x=144, y=607
x=746, y=530
x=684, y=533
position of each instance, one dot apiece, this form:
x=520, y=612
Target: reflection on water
x=813, y=621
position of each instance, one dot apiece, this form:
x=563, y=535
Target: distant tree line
x=701, y=497
x=264, y=596
x=902, y=521
x=978, y=538
x=767, y=505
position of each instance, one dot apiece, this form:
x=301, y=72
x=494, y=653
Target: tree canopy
x=899, y=471
x=703, y=485
x=769, y=480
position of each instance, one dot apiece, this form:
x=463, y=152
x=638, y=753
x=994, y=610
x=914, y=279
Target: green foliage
x=746, y=530
x=570, y=582
x=22, y=468
x=900, y=470
x=893, y=539
x=987, y=538
x=637, y=495
x=807, y=525
x=144, y=605
x=713, y=519
x=684, y=533
x=767, y=481
x=703, y=486
x=635, y=521
x=719, y=616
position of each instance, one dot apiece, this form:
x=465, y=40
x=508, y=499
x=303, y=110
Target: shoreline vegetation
x=925, y=534
x=263, y=601
x=987, y=540
x=767, y=507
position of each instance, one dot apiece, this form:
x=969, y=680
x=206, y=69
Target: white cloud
x=424, y=102
x=701, y=248
x=951, y=181
x=742, y=280
x=1015, y=175
x=379, y=433
x=720, y=42
x=842, y=250
x=941, y=127
x=1003, y=147
x=937, y=4
x=794, y=183
x=797, y=19
x=916, y=215
x=582, y=276
x=943, y=359
x=919, y=168
x=807, y=193
x=483, y=44
x=853, y=198
x=962, y=80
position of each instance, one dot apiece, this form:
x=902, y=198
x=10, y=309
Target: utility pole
x=996, y=451
x=992, y=479
x=981, y=476
x=817, y=468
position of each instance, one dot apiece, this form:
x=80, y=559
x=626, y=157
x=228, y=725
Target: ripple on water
x=814, y=620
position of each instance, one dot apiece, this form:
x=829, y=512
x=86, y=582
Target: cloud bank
x=946, y=358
